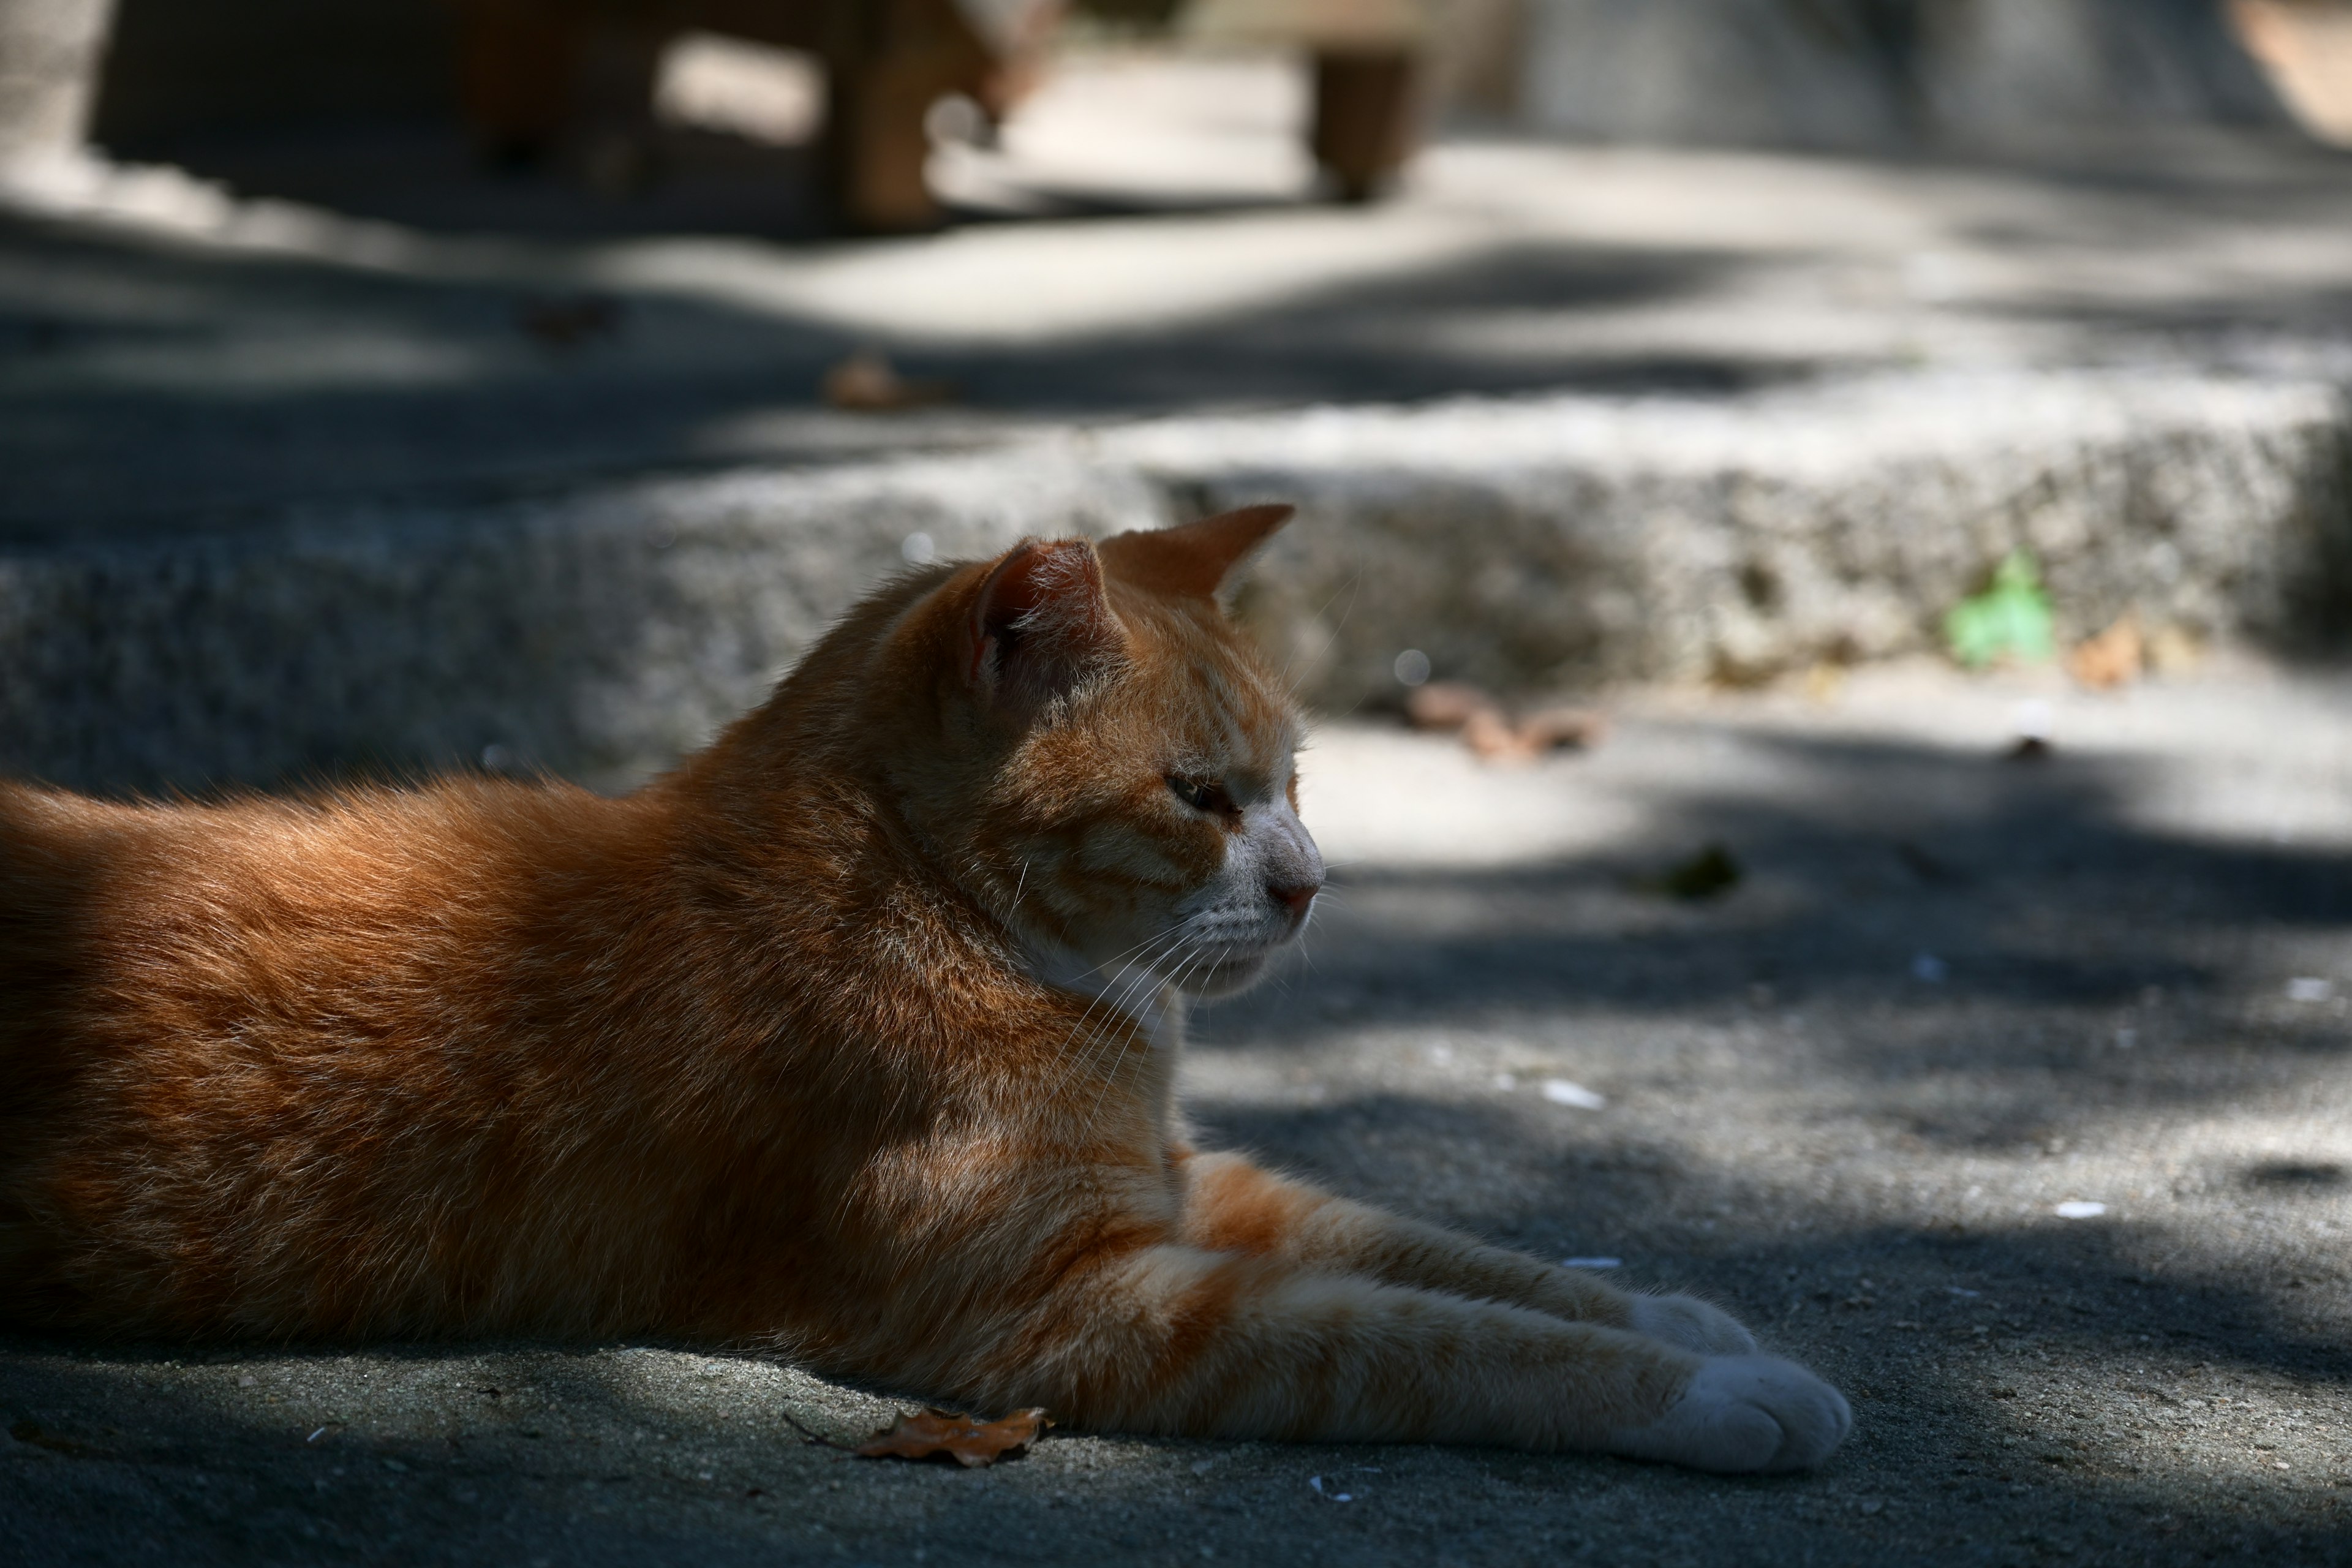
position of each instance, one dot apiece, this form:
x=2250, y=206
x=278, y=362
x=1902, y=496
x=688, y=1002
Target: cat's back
x=279, y=1021
x=164, y=923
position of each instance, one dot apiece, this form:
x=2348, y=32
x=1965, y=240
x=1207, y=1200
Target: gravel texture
x=1951, y=993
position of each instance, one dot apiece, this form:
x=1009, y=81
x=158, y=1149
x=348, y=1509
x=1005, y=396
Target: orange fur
x=854, y=1037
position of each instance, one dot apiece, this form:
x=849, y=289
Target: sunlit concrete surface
x=325, y=317
x=1952, y=993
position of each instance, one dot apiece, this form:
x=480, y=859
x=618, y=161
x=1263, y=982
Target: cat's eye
x=1201, y=795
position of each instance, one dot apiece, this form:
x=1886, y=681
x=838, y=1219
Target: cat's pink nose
x=1294, y=898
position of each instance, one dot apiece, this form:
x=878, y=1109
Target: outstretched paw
x=1744, y=1413
x=1691, y=1323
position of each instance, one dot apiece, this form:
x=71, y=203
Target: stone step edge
x=1526, y=544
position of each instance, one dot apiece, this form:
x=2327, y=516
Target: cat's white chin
x=1224, y=976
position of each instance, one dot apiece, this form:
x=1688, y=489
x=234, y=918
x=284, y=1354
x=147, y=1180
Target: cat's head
x=1107, y=762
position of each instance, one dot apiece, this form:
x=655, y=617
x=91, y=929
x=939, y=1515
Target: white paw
x=1744, y=1413
x=1688, y=1321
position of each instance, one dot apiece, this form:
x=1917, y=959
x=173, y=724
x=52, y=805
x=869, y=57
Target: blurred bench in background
x=572, y=82
x=539, y=73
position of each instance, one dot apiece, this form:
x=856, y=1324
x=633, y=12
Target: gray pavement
x=1952, y=993
x=322, y=475
x=343, y=320
x=318, y=477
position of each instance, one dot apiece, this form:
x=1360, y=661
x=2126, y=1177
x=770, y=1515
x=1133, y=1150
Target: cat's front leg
x=1694, y=1324
x=1173, y=1339
x=1233, y=1205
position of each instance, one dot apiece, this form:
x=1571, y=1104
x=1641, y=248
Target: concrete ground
x=366, y=317
x=1951, y=993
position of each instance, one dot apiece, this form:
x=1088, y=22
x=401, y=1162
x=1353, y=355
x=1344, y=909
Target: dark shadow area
x=1971, y=1447
x=282, y=66
x=1553, y=1194
x=148, y=388
x=2020, y=1381
x=689, y=181
x=426, y=176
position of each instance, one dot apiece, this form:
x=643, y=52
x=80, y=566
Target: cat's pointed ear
x=1193, y=559
x=1039, y=625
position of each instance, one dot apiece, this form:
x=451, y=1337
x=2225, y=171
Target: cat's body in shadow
x=855, y=1037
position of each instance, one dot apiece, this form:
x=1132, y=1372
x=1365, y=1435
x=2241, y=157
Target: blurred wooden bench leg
x=516, y=62
x=618, y=63
x=875, y=145
x=887, y=62
x=1366, y=118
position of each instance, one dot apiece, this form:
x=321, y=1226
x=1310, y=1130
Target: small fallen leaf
x=2010, y=620
x=1709, y=874
x=929, y=1433
x=1559, y=727
x=31, y=1431
x=1458, y=707
x=568, y=321
x=1494, y=738
x=867, y=383
x=1924, y=864
x=2110, y=659
x=1446, y=705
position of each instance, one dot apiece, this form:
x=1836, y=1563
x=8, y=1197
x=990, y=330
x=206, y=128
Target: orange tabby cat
x=855, y=1036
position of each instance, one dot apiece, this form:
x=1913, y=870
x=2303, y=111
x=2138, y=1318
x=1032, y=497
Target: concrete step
x=1530, y=544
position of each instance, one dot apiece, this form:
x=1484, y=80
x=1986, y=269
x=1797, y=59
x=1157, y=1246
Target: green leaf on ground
x=2009, y=620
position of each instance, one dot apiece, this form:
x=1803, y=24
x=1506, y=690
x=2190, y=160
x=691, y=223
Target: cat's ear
x=1192, y=559
x=1039, y=626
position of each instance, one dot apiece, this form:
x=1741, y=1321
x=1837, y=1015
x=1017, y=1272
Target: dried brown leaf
x=1445, y=704
x=2114, y=656
x=929, y=1434
x=867, y=383
x=566, y=321
x=1550, y=729
x=1496, y=739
